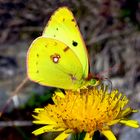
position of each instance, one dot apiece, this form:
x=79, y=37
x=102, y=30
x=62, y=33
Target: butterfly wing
x=52, y=63
x=63, y=27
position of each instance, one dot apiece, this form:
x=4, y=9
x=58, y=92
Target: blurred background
x=111, y=30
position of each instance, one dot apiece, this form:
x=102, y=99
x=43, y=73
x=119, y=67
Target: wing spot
x=55, y=58
x=65, y=49
x=54, y=35
x=36, y=63
x=37, y=55
x=57, y=29
x=55, y=43
x=63, y=19
x=37, y=71
x=72, y=20
x=74, y=43
x=73, y=78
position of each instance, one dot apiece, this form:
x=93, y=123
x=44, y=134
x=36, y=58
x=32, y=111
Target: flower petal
x=63, y=135
x=127, y=111
x=131, y=123
x=37, y=110
x=58, y=93
x=88, y=137
x=47, y=128
x=113, y=122
x=43, y=120
x=109, y=134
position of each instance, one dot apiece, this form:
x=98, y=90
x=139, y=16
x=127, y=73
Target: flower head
x=87, y=110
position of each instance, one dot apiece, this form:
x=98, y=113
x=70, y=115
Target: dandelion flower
x=87, y=110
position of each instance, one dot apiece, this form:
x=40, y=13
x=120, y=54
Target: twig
x=108, y=35
x=15, y=92
x=15, y=123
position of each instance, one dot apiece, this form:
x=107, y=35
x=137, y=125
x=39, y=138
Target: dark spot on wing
x=54, y=35
x=74, y=43
x=55, y=58
x=63, y=19
x=55, y=43
x=36, y=63
x=65, y=49
x=57, y=29
x=37, y=71
x=37, y=55
x=73, y=78
x=72, y=20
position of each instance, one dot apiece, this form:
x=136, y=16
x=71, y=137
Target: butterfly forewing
x=63, y=27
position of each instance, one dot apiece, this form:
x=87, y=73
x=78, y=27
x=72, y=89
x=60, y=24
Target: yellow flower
x=87, y=110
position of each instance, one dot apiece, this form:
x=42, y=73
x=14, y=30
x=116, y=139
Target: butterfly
x=59, y=57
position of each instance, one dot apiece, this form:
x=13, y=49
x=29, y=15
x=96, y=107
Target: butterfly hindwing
x=50, y=62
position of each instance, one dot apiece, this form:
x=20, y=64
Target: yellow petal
x=88, y=137
x=45, y=120
x=131, y=123
x=37, y=110
x=47, y=128
x=127, y=111
x=113, y=122
x=109, y=134
x=135, y=111
x=63, y=135
x=58, y=93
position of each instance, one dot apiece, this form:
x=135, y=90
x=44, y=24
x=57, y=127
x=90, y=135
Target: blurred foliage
x=78, y=136
x=37, y=100
x=130, y=10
